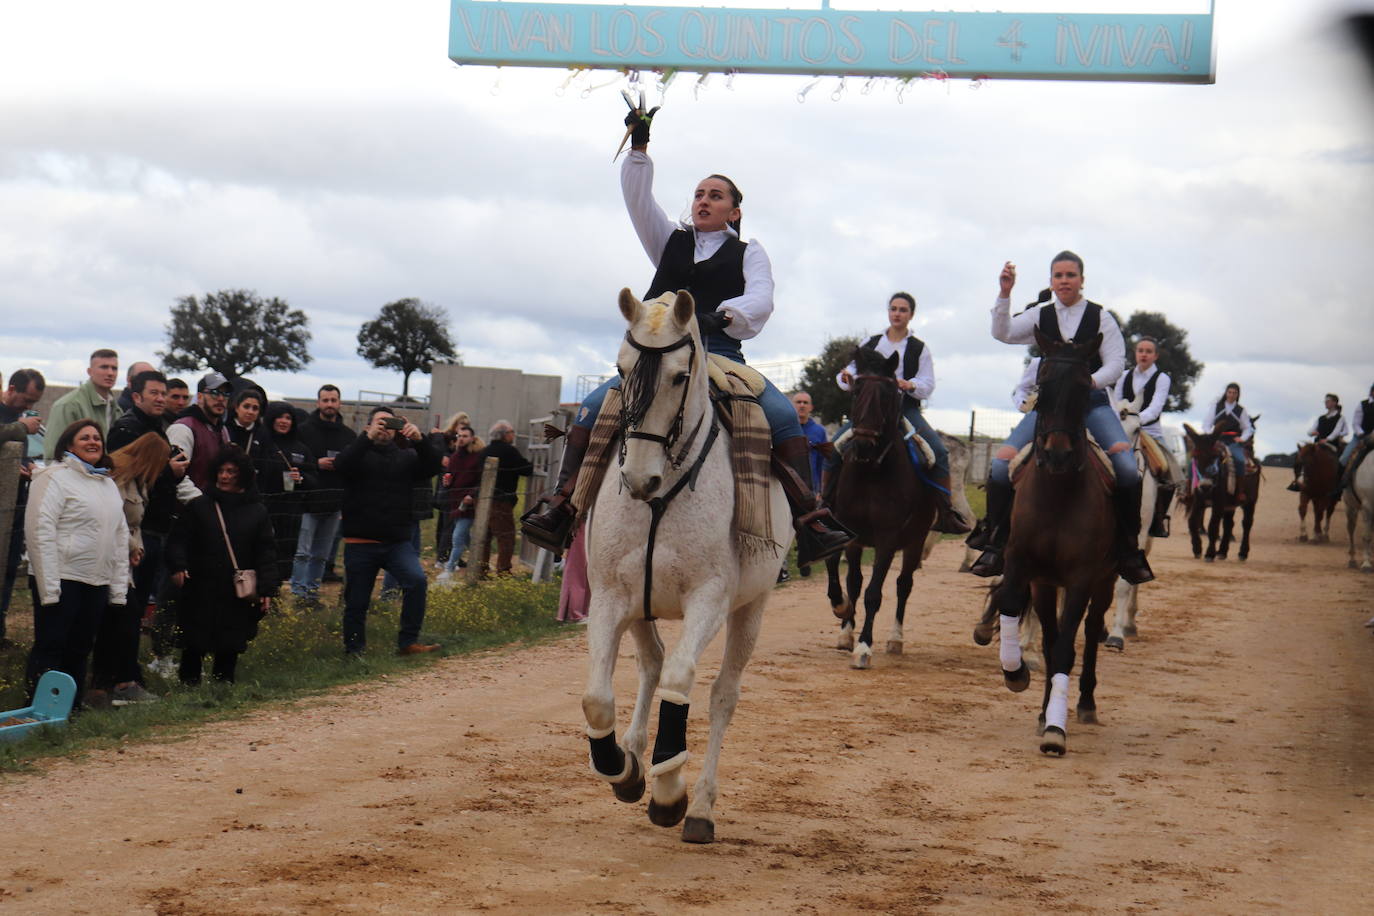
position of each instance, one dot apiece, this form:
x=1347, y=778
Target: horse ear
x=1255, y=418
x=891, y=363
x=1041, y=340
x=683, y=307
x=629, y=305
x=1190, y=432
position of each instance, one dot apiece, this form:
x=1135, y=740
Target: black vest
x=1088, y=326
x=1326, y=423
x=711, y=282
x=911, y=359
x=1366, y=418
x=1128, y=387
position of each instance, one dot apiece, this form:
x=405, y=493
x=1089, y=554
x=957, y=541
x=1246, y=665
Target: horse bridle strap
x=675, y=430
x=659, y=504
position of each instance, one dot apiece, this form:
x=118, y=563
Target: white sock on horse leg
x=1057, y=712
x=1010, y=647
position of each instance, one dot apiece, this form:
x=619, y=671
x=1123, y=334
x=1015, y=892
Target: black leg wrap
x=608, y=759
x=671, y=739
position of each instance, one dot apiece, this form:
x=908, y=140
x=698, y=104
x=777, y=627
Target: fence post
x=11, y=454
x=483, y=519
x=972, y=424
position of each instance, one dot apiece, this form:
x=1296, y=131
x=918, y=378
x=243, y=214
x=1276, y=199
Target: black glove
x=640, y=123
x=711, y=322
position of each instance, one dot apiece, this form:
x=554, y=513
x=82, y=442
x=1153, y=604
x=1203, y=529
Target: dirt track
x=1233, y=771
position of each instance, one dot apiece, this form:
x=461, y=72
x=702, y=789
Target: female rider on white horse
x=732, y=284
x=1067, y=317
x=1152, y=384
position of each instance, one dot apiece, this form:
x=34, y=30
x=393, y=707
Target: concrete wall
x=489, y=395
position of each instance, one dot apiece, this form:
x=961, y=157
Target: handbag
x=245, y=580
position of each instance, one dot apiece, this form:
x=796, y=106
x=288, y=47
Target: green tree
x=407, y=335
x=1174, y=358
x=818, y=379
x=235, y=331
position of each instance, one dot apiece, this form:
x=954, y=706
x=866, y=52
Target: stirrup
x=989, y=562
x=550, y=523
x=1295, y=487
x=813, y=545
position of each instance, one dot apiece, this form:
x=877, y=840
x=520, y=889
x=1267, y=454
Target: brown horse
x=1208, y=487
x=1062, y=535
x=879, y=497
x=1320, y=471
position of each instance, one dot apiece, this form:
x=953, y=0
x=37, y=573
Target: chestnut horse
x=1320, y=471
x=1062, y=535
x=879, y=497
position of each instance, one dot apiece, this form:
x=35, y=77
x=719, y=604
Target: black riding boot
x=948, y=520
x=1159, y=526
x=992, y=532
x=1131, y=563
x=1296, y=485
x=819, y=534
x=550, y=523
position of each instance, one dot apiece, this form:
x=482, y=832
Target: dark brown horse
x=1320, y=471
x=1062, y=535
x=879, y=497
x=1208, y=486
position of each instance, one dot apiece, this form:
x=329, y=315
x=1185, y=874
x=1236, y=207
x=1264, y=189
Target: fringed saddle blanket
x=734, y=395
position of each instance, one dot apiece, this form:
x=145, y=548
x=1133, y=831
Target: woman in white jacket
x=78, y=544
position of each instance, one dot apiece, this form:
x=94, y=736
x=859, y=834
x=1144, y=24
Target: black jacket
x=322, y=437
x=161, y=508
x=513, y=466
x=379, y=486
x=277, y=451
x=210, y=616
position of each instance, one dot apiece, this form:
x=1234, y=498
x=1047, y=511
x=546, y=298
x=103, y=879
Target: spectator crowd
x=150, y=510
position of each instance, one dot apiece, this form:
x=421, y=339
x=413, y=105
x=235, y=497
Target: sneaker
x=444, y=576
x=130, y=694
x=418, y=648
x=164, y=666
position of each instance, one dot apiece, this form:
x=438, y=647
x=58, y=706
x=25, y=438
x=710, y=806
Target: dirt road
x=1233, y=771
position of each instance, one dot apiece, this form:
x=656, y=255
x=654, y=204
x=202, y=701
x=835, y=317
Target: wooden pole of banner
x=482, y=522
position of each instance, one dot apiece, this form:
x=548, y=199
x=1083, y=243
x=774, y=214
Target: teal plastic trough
x=52, y=704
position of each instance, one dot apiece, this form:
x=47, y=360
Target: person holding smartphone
x=379, y=479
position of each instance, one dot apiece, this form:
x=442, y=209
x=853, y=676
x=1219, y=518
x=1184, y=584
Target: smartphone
x=396, y=423
x=175, y=453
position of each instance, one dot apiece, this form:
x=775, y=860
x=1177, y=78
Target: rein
x=877, y=434
x=645, y=392
x=1076, y=433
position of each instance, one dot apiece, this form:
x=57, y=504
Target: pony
x=661, y=545
x=879, y=496
x=1128, y=595
x=1359, y=506
x=1062, y=528
x=1320, y=473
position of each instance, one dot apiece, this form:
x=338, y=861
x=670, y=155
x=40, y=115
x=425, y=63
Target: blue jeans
x=1237, y=455
x=462, y=537
x=389, y=582
x=361, y=565
x=1105, y=426
x=318, y=530
x=781, y=415
x=1349, y=450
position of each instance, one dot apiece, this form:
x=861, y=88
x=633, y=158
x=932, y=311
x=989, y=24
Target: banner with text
x=1091, y=46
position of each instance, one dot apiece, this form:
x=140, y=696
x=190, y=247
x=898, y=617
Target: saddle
x=1155, y=459
x=1103, y=463
x=924, y=457
x=734, y=397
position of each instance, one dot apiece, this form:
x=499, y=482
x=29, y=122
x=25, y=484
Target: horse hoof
x=1017, y=680
x=668, y=815
x=1197, y=556
x=1116, y=642
x=1086, y=715
x=804, y=571
x=841, y=611
x=1367, y=568
x=894, y=647
x=632, y=789
x=1130, y=630
x=1053, y=742
x=1352, y=565
x=1302, y=538
x=845, y=643
x=698, y=830
x=982, y=635
x=1211, y=559
x=860, y=662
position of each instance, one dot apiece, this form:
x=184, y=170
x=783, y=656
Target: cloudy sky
x=330, y=154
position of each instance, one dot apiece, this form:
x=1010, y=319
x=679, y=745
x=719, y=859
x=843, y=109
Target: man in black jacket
x=513, y=466
x=325, y=434
x=379, y=472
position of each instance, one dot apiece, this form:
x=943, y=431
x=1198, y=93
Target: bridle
x=889, y=418
x=1076, y=432
x=629, y=430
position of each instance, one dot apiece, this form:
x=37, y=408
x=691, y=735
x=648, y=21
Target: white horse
x=1127, y=595
x=1359, y=505
x=675, y=460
